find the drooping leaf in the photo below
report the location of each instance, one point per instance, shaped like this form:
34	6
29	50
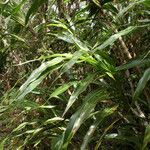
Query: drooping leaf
68	36
80	116
23	125
38	75
71	62
126	9
17	38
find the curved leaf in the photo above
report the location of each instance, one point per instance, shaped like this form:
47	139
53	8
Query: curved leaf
80	88
34	7
80	116
101	116
38	75
142	83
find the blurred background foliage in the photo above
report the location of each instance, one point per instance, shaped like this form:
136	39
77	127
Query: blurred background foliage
74	74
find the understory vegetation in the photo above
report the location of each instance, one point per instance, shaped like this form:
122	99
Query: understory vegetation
74	74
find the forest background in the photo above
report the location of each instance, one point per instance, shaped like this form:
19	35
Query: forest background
74	74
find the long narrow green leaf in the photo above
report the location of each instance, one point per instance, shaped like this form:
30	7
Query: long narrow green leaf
80	88
142	83
61	89
17	38
114	37
133	63
146	137
80	116
37	72
104	133
18	7
23	125
37	76
126	9
52	120
101	116
2	143
68	36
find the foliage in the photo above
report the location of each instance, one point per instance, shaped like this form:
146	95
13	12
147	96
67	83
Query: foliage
75	74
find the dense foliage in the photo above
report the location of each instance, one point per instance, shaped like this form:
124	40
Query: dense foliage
75	74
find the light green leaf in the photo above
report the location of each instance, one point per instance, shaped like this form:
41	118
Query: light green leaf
130	6
146	137
114	37
23	125
60	25
18	7
61	89
71	62
17	38
68	36
142	83
52	120
82	86
2	143
80	116
46	107
38	75
65	36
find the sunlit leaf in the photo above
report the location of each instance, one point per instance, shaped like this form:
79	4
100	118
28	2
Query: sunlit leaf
52	120
61	89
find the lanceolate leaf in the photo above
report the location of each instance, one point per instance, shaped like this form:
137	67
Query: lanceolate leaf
101	116
134	63
80	88
146	137
61	89
17	38
80	116
114	37
104	133
142	83
126	9
37	76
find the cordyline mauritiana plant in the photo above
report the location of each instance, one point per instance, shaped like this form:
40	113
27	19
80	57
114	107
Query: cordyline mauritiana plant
75	74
